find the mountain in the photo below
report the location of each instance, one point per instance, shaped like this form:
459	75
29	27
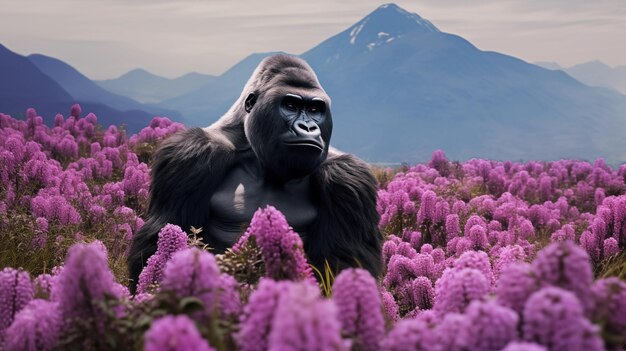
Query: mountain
205	105
82	88
146	87
548	65
24	85
401	88
596	73
26	81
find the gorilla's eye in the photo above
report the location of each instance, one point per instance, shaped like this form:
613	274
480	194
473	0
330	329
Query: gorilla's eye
316	107
292	103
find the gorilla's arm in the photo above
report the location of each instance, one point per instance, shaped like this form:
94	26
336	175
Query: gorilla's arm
346	233
185	171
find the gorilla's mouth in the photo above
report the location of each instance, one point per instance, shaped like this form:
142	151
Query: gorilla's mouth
305	143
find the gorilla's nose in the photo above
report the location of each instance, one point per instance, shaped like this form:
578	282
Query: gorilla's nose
308	128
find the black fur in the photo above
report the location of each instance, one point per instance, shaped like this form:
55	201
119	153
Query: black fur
189	166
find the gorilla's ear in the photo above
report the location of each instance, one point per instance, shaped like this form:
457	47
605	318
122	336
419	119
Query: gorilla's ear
250	101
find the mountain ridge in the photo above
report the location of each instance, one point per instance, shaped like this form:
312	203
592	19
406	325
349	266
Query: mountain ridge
147	87
30	87
427	90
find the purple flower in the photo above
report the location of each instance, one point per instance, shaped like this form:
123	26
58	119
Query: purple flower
462	245
84	282
43	283
438	255
490	326
170	240
282	248
54	208
141	298
389	249
415	239
611	247
477	260
524	346
75	111
554	317
457	288
450	334
409	334
422	293
517	282
305	321
136	178
426	211
390	307
258	314
472	221
426	249
506	256
193	272
401	269
358	301
36	328
16	291
175	333
565	233
453	228
478	237
591	243
424	265
566	265
526	229
609	297
439	162
405	249
229	298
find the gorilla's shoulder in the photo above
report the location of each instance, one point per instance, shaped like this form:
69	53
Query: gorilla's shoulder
192	143
349	173
190	156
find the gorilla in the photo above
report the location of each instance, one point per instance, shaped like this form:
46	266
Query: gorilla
271	147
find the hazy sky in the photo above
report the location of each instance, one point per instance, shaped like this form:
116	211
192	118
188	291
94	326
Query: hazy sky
106	38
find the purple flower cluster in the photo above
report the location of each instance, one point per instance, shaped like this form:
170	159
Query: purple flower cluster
285	315
358	301
554	317
193	272
36	328
259	313
84	282
282	248
305	321
16	291
171	239
479	255
159	128
175	333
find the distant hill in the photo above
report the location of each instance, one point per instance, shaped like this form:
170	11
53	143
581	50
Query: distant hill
24	85
205	105
594	73
146	87
82	88
401	88
548	65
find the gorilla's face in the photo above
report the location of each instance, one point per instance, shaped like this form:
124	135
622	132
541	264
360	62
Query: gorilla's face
289	130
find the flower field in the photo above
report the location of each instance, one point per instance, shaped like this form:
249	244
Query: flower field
480	255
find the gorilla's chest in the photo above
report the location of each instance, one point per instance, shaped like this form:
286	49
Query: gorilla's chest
240	194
